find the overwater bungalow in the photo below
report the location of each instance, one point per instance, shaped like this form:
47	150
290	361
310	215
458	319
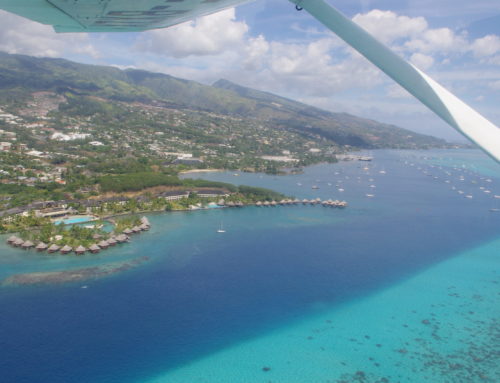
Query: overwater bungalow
96	236
273	203
53	248
112	241
258	203
136	229
305	201
12	239
94	248
80	250
103	244
18	242
230	204
122	238
239	204
266	203
27	245
144	227
66	249
127	231
282	202
41	246
145	221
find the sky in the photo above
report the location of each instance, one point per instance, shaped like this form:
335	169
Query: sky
268	45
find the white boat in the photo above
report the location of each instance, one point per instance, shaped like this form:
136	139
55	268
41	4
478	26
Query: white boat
221	229
370	195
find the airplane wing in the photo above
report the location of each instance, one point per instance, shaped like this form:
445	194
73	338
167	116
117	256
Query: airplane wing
140	15
113	15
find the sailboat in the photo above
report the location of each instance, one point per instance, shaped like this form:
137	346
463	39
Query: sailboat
221	229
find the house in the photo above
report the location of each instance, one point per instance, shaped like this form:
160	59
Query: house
5	146
175	195
211	193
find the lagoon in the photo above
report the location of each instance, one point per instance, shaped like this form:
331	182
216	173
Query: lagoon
402	286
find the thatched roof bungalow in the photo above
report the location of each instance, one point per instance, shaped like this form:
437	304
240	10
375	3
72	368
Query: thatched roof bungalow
12	239
80	250
136	229
27	245
127	231
103	244
94	248
41	246
66	249
53	248
121	238
18	242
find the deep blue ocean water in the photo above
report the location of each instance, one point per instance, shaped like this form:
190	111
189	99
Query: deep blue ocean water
203	293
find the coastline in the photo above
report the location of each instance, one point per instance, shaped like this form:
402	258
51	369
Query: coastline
202	171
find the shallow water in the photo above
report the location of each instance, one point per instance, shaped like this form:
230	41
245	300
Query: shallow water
308	292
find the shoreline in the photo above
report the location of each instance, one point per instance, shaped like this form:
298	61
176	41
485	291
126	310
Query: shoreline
202	171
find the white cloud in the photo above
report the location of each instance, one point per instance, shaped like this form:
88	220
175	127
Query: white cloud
22	36
255	51
208	35
421	61
387	26
487	49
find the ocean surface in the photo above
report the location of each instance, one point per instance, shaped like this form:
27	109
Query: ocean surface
401	286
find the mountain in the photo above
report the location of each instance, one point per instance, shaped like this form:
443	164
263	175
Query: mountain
20	76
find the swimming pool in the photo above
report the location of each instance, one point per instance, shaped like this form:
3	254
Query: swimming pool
79	219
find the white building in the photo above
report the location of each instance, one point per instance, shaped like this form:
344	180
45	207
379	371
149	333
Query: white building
5	146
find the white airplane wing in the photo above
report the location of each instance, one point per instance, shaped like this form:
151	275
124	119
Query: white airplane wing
140	15
113	15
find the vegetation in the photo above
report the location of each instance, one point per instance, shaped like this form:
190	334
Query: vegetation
76	134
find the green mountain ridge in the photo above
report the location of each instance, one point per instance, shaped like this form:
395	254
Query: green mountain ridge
20	76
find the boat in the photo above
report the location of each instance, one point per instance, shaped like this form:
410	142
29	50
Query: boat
221	229
315	187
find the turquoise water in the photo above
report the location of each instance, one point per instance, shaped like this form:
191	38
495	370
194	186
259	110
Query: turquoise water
445	329
69	221
399	287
